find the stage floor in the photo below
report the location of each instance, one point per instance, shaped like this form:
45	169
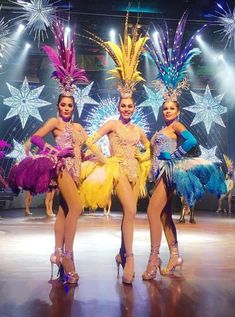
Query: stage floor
205	288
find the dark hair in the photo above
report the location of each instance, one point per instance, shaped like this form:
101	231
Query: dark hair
62	96
175	102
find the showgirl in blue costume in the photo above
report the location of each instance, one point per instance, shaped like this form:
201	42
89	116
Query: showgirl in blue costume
171	168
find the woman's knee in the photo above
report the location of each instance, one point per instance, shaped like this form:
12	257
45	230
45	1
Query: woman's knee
130	212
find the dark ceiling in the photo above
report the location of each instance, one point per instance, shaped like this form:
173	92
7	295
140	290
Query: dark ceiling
173	9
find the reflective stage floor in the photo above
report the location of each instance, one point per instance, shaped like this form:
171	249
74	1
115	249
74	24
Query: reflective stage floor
205	287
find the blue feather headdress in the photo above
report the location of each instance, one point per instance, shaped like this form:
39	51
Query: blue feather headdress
172	63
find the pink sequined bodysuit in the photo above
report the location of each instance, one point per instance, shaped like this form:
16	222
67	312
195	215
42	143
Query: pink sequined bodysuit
75	139
123	143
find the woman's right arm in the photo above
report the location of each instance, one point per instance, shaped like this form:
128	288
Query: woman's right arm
37	137
49	126
91	140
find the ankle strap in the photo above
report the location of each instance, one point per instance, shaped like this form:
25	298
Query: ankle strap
155	249
127	255
68	254
59	250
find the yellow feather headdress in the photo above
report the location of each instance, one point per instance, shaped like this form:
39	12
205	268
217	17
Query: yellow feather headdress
126	57
229	163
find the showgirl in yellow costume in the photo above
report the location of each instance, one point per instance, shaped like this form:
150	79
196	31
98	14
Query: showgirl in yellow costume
122	173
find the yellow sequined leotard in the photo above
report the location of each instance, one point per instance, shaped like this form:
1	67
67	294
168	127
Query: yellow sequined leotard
97	187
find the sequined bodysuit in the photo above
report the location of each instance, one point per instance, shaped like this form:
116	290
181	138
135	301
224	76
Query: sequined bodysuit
75	139
160	143
123	143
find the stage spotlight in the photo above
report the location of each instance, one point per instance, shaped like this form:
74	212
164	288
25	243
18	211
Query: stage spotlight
221	57
27	46
21	27
112	34
155	36
220	6
18	32
198	38
66	35
67	30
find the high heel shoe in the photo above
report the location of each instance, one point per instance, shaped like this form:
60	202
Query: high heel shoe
174	261
55	258
70	276
27	213
128	273
50	214
154	264
118	260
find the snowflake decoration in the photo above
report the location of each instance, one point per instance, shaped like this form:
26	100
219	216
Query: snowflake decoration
18	152
6	43
155	100
226	19
209	154
108	110
24	102
81	97
39	15
207	109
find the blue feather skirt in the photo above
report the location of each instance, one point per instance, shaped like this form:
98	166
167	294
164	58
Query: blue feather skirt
191	178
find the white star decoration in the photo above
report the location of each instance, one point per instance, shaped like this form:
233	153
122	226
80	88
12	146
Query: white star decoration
82	97
209	154
6	43
207	109
24	102
155	100
39	15
19	151
226	19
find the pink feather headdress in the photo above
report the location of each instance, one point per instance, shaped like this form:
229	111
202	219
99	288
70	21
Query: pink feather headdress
66	73
3	145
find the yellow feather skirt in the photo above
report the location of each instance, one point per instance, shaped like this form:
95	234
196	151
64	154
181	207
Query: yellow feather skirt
98	182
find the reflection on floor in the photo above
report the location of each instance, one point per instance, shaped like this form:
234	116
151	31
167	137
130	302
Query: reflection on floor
205	288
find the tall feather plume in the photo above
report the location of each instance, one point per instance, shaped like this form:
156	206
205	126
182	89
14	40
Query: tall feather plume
172	62
63	60
125	56
229	164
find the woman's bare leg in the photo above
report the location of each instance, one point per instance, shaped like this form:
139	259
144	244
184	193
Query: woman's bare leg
222	197
126	196
59	229
28	200
168	225
171	237
49	201
157	203
122	252
230	202
70	194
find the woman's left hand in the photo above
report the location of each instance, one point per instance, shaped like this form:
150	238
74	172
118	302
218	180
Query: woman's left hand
66	152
